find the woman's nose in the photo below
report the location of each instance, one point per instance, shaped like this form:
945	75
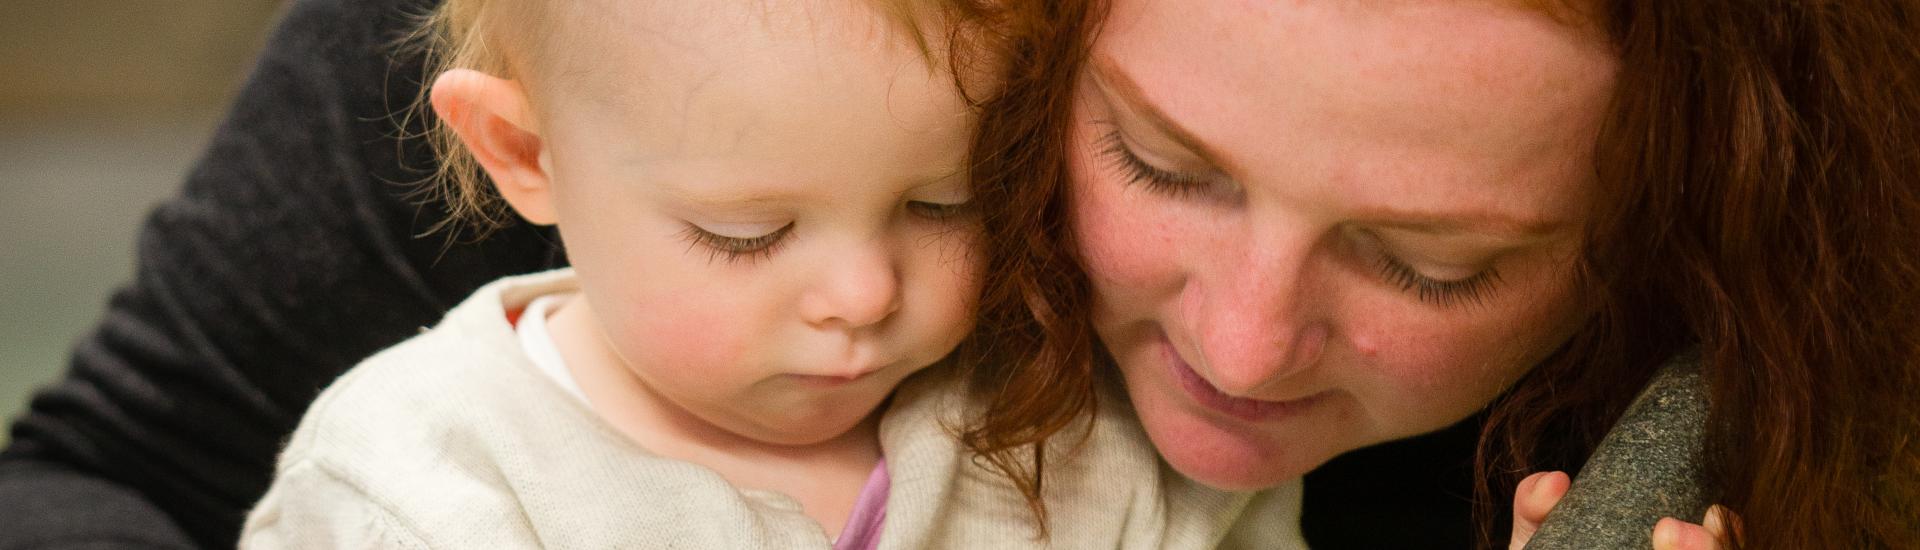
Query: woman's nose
857	290
1258	323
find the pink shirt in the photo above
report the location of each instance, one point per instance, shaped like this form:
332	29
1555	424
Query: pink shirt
862	531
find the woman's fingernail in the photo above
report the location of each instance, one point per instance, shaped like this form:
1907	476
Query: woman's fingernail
1560	479
1716	522
1666	534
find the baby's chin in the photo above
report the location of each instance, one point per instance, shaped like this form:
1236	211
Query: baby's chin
800	430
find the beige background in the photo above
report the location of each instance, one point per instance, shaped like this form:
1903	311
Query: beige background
103	105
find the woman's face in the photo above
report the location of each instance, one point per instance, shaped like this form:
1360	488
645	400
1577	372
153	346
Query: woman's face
1314	226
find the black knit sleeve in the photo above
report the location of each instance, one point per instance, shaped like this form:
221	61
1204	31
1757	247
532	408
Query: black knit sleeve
1414	493
291	253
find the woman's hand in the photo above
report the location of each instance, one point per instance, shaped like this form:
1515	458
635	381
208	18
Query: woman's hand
1535	496
1538	493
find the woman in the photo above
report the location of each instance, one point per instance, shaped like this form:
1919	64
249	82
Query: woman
1314	227
1281	271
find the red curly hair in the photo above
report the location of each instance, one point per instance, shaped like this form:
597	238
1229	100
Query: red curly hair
1031	354
1759	203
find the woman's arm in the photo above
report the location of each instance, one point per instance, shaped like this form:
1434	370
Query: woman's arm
289	255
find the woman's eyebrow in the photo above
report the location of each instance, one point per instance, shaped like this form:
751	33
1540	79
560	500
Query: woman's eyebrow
1120	86
1486	222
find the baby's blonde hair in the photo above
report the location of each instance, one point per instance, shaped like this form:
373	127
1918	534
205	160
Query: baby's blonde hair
497	37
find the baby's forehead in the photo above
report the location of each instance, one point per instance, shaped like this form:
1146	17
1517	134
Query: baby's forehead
716	31
820	90
620	51
737	75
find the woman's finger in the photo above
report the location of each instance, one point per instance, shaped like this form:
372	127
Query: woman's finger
1536	495
1673	534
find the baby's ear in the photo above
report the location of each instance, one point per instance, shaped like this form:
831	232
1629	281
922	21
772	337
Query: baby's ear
493	118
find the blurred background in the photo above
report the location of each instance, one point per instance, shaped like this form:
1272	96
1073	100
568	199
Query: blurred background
103	105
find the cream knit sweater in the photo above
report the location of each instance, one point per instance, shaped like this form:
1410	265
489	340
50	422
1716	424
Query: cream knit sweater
453	440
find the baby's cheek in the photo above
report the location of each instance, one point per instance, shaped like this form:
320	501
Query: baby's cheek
699	343
693	336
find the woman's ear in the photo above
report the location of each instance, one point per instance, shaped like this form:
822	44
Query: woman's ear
493	118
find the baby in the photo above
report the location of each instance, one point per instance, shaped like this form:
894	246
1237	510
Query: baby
767	210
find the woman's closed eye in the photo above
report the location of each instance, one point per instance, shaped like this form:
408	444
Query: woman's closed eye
1138	171
1445	292
1464	278
1473	289
732	249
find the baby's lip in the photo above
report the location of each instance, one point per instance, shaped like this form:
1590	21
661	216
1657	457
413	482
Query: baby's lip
825	380
837	377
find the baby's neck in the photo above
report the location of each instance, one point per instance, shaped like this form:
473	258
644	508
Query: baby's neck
825	477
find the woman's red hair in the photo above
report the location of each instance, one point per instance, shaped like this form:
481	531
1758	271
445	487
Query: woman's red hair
1759	203
1032	353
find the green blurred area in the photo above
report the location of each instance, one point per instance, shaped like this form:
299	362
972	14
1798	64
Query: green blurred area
104	105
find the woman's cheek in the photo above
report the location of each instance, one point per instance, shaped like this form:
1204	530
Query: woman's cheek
1429	371
1120	247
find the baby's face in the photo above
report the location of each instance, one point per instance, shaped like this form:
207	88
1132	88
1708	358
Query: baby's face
766	205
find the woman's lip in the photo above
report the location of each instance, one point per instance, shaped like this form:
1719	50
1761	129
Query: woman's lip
1245	409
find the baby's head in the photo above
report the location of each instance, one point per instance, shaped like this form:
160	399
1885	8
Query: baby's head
766	201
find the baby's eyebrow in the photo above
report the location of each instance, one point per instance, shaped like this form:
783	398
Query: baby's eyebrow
731	195
764	194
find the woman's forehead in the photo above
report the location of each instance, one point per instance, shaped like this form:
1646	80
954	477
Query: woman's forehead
1405	99
1433	46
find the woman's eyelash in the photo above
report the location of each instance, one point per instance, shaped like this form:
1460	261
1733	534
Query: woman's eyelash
1138	171
1471	290
733	249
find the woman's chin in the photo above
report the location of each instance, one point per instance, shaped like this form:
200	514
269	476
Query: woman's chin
1222	459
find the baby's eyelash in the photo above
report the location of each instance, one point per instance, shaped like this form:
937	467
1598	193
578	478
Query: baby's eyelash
1137	171
943	212
1474	290
733	249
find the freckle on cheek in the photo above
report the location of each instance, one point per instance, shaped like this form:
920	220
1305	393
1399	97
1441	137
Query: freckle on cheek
1133	251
